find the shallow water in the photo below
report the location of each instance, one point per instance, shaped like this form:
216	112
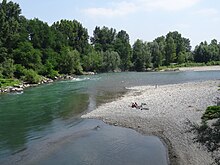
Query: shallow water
52	111
97	143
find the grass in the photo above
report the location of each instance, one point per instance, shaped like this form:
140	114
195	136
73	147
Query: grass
8	82
188	64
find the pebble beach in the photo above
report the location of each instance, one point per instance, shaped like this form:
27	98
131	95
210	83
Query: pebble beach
166	112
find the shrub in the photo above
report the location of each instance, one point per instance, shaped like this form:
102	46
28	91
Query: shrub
48	71
7	68
8	82
211	113
30	76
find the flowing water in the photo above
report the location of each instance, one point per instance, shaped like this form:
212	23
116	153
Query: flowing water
43	125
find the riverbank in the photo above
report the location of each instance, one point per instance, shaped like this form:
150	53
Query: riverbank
18	88
170	109
200	68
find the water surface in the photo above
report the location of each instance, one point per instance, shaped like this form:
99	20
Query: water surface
53	110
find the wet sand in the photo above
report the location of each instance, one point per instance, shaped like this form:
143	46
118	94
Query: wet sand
167	111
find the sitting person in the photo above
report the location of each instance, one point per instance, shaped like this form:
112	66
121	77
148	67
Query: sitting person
134	105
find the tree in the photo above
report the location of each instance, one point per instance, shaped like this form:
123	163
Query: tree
141	55
93	61
40	34
24	35
9	24
103	38
156	54
180	46
72	34
7	68
111	61
205	53
123	48
27	56
214	50
170	51
3	53
69	62
201	53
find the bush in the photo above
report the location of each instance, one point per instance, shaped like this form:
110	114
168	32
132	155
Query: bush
19	71
213	63
8	82
30	76
211	112
48	71
7	68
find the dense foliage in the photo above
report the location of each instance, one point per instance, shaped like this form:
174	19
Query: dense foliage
29	48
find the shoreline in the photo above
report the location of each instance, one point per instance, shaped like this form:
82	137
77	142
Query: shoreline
19	88
171	107
200	68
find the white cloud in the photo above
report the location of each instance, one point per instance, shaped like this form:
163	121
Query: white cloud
123	8
116	9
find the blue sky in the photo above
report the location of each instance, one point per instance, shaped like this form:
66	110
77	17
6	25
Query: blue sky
198	20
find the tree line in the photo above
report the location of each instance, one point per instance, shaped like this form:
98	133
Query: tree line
30	48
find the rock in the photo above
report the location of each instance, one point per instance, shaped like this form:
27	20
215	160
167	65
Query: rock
50	81
89	73
13	89
26	85
19	89
115	124
19	86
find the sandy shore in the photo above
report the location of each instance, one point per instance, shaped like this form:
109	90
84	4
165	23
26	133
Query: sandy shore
170	108
200	68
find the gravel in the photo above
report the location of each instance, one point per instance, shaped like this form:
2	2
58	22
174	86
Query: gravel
166	111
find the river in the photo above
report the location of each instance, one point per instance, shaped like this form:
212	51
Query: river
42	125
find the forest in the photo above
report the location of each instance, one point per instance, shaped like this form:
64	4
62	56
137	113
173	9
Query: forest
30	49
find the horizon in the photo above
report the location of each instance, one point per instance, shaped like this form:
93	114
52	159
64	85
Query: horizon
197	20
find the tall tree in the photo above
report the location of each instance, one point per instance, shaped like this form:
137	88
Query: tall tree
40	34
93	61
27	56
123	47
201	53
103	38
9	24
141	55
69	62
73	34
214	50
205	52
111	61
170	51
182	47
156	54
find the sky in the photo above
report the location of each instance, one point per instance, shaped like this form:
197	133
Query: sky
198	20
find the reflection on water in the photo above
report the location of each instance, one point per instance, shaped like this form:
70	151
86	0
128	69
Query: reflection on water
30	117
